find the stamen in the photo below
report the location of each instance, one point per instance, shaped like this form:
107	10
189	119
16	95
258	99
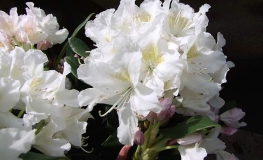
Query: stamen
86	150
118	102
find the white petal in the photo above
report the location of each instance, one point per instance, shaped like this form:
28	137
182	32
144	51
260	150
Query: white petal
68	97
58	37
14	142
127	125
143	100
50	145
9	93
192	152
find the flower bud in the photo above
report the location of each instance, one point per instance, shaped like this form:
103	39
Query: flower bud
167	111
44	45
171	142
231	118
138	137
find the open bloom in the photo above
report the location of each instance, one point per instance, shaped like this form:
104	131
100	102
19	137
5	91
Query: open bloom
117	83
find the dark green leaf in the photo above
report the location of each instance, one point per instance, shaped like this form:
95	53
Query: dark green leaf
112	140
61	54
112	121
189	126
73	62
69	52
37	156
78	46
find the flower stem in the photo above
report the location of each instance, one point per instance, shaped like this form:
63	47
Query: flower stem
40	125
21	112
167	147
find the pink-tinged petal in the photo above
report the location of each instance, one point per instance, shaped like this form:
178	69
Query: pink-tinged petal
167	111
228	130
44	45
138	137
231	118
190	139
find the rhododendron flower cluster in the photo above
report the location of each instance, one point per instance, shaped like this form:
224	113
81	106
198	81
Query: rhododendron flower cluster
151	63
27	30
149	52
50	119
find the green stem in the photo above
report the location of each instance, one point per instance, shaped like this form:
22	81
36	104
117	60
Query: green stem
147	136
40	125
61	54
63	51
21	112
166	148
137	153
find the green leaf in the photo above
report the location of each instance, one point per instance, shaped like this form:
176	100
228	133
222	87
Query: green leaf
112	140
37	156
78	46
73	62
61	54
188	127
69	52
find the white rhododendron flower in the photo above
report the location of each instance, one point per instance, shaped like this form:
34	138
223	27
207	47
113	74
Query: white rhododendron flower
149	62
172	56
122	89
27	30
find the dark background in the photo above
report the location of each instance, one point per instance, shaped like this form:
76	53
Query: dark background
240	21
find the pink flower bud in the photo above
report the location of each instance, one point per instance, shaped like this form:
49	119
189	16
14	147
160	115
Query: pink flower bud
44	45
151	116
76	55
190	139
167	111
216	118
227	130
171	142
138	137
231	118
